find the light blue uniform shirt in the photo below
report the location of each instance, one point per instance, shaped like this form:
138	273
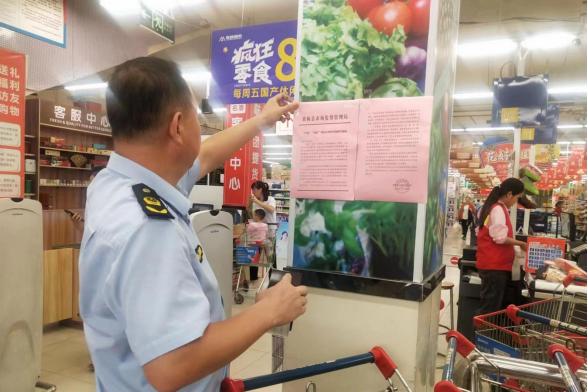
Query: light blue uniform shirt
143	289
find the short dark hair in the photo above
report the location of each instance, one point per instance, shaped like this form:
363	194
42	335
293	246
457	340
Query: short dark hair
141	95
259	213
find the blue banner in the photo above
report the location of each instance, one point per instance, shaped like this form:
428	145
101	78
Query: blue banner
253	63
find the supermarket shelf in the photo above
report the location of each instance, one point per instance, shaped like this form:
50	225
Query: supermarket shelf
30	136
76	130
63	186
282	198
28	154
63	167
74	151
279	190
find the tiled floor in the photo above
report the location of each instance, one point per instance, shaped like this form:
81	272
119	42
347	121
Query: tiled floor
65	356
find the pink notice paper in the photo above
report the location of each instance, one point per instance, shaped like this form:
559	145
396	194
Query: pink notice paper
324	150
393	149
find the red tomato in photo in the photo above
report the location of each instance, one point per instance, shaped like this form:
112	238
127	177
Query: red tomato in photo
364	7
388	16
420	17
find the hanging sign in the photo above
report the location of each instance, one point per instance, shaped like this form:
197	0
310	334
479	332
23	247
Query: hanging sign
158	23
78	118
253	63
12	123
245	165
40	19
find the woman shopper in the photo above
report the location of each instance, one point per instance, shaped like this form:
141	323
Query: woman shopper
495	254
261	199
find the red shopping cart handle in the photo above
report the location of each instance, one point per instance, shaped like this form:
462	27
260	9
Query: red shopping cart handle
446	386
574	361
464	346
581	280
512	313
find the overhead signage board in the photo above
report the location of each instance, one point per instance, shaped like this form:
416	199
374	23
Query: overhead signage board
158	23
253	63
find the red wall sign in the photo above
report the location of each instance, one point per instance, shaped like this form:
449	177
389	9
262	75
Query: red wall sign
12	123
245	166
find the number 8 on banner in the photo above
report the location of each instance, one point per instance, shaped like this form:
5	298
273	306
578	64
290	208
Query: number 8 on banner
286	58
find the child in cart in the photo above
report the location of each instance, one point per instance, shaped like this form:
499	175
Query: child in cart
256	228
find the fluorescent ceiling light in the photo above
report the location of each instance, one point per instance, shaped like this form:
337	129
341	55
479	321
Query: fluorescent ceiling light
196	76
270	162
579	142
567	90
552	40
579	89
271	135
563	143
486	48
277	153
122	8
571	126
482	129
277	146
281	158
87	86
473	95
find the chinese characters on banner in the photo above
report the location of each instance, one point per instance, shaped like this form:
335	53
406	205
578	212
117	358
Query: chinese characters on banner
78	118
254	63
501	157
12	123
245	166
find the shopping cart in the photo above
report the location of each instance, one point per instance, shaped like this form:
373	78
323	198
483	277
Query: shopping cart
250	254
377	356
497	333
507	373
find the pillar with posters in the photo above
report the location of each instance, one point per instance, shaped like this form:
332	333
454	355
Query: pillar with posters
383	259
12	123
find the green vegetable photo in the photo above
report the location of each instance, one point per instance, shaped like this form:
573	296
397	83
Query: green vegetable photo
355	49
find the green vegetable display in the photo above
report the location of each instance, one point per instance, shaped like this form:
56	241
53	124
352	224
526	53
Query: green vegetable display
344	56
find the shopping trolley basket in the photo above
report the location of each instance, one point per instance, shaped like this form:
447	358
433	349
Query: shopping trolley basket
507	373
497	333
377	355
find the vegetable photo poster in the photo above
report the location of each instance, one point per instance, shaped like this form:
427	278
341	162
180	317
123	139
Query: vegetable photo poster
355	49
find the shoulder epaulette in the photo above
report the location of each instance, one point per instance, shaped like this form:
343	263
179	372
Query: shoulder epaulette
151	203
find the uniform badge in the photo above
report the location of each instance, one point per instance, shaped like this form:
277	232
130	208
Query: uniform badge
151	203
200	253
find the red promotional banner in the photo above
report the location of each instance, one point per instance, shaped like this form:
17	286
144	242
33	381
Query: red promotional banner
245	166
12	123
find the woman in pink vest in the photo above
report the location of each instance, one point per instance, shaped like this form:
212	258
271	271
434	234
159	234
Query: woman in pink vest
496	242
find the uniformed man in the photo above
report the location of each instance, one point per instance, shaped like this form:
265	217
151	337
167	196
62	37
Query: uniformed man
150	303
